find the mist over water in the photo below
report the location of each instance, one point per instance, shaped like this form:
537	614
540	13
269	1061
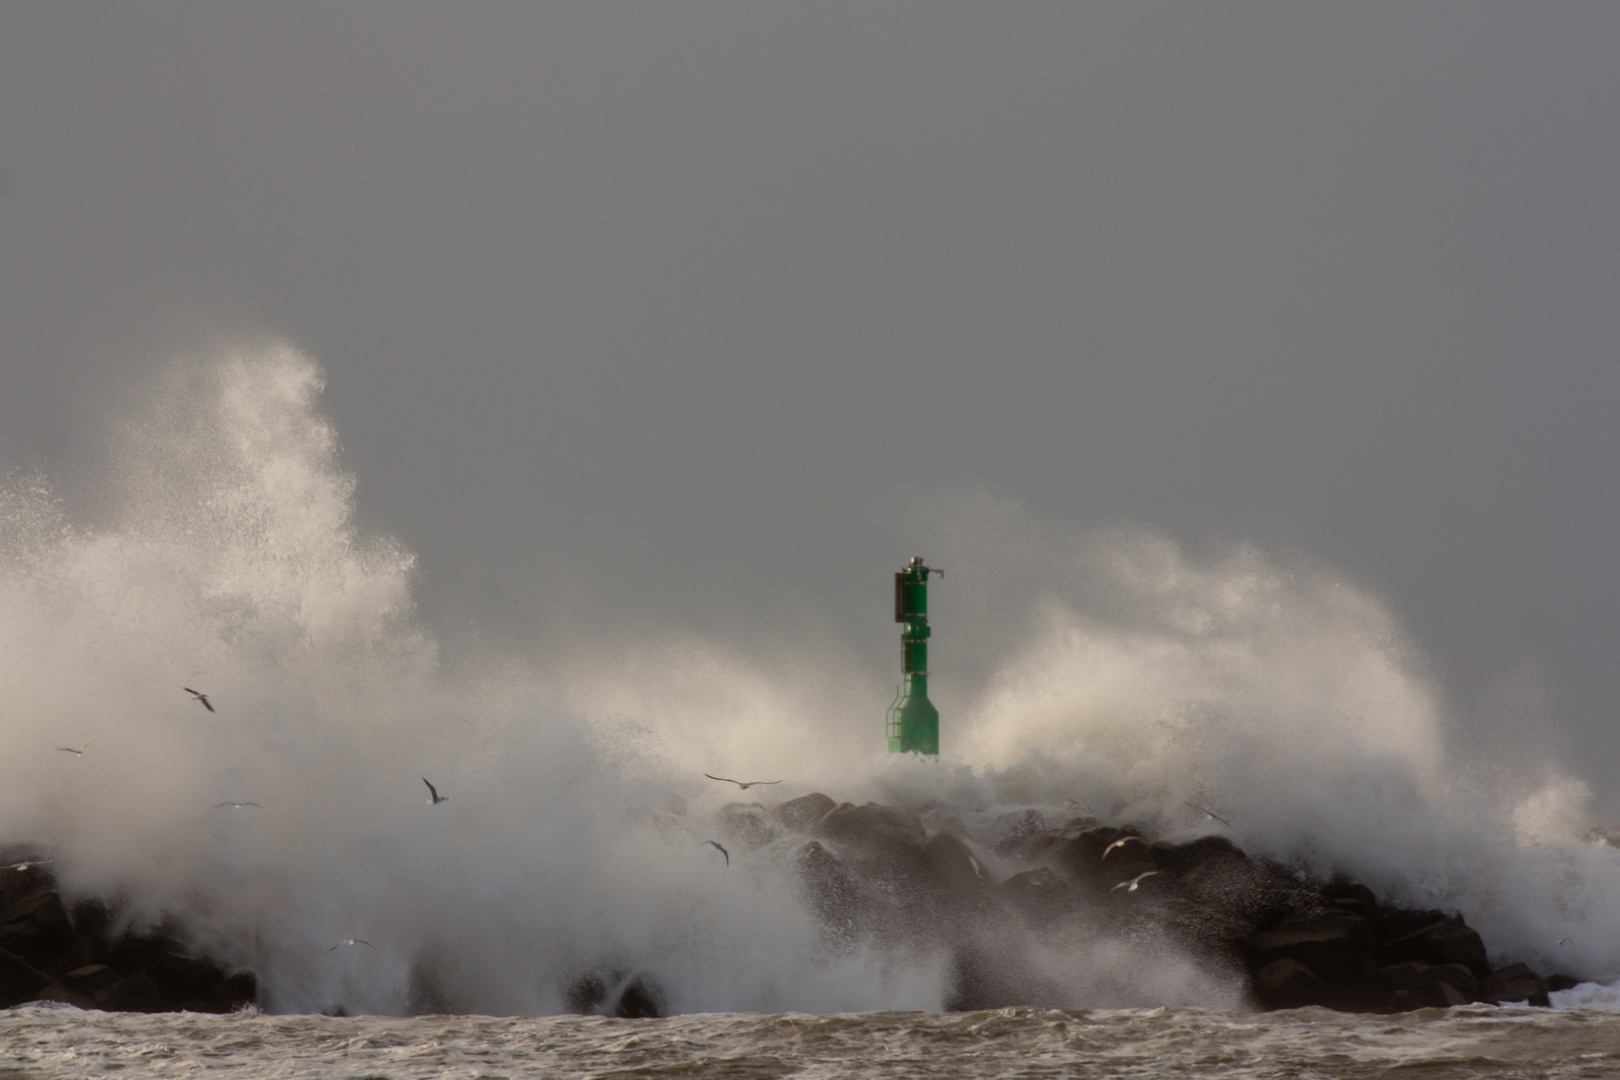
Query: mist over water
1137	680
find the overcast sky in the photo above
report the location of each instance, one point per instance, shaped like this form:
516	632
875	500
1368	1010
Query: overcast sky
706	315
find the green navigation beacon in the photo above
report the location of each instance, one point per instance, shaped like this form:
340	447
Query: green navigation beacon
913	722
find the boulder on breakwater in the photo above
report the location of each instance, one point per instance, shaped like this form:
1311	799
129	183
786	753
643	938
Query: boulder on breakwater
49	953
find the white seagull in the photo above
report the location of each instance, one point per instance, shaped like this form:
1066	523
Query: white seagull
1135	882
200	696
744	784
235	805
716	845
1121	842
76	753
352	941
434	798
28	864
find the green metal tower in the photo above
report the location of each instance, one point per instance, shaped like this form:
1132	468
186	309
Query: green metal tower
913	722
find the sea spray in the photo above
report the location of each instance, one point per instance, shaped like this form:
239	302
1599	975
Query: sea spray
1147	687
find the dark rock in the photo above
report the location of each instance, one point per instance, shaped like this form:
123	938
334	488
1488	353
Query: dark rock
1037	894
1330	942
1178	859
1459	978
137	993
1037	882
1351	896
801	813
994	974
237	990
1556	983
1356	906
1399	922
80	953
16	884
20	981
970	983
586	994
36	926
885	844
1212	932
1342	888
1288	984
1516	982
872	826
42	908
179	976
424	996
136	950
58	992
746	824
1429	985
91	979
1244	890
829	888
614	991
93	917
641	999
1365	991
1078	855
1010	830
1448	941
954	867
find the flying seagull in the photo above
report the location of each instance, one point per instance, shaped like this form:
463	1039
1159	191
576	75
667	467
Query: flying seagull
28	864
352	941
76	753
434	798
1561	940
200	696
1210	813
236	805
1121	842
1135	882
716	845
744	784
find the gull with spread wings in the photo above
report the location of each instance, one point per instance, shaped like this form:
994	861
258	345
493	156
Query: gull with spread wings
744	784
1135	882
1121	842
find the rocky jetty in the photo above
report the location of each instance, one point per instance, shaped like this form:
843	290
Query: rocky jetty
80	956
998	901
877	872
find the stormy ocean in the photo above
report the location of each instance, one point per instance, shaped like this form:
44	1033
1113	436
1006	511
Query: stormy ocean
284	828
1016	1042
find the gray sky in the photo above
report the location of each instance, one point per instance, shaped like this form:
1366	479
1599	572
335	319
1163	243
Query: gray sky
706	315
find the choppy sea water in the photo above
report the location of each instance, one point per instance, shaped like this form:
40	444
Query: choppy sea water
1473	1041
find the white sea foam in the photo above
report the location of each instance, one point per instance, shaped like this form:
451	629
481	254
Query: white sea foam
1281	698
